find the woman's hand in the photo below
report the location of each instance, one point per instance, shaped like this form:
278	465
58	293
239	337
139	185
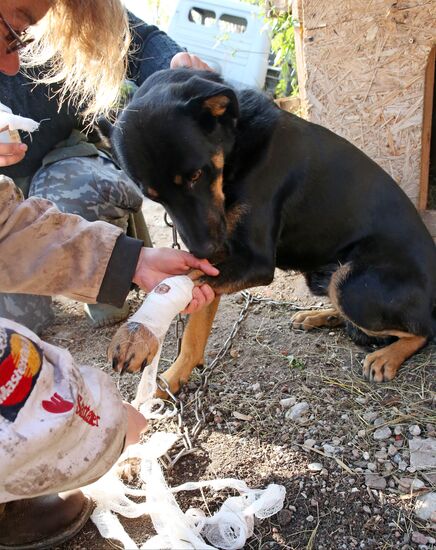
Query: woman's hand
11	153
136	425
156	264
188	61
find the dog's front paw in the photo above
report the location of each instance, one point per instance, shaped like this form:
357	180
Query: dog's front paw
381	365
132	348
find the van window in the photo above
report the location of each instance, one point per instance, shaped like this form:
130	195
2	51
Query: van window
232	23
201	16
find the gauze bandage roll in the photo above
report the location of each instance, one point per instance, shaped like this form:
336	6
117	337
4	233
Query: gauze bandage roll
10	123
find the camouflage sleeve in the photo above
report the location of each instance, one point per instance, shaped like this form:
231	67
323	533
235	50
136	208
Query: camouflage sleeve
43	251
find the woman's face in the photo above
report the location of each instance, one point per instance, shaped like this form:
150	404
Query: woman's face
19	14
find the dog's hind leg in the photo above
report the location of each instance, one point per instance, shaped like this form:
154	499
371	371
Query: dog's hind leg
307	320
318	283
382	365
192	351
383	302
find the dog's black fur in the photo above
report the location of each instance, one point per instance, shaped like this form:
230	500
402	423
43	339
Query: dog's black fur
294	195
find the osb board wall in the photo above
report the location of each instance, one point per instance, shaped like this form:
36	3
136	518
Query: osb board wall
362	66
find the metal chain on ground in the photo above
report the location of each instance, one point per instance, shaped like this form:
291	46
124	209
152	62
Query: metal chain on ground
189	436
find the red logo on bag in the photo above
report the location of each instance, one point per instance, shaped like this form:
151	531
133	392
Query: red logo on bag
86	413
57	404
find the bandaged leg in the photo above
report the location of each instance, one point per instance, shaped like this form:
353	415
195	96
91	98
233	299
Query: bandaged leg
138	343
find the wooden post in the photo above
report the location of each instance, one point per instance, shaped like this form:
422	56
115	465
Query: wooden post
426	129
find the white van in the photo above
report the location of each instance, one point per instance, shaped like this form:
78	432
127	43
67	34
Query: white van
232	37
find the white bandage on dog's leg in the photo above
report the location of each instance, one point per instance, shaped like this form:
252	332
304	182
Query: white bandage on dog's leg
164	302
160	307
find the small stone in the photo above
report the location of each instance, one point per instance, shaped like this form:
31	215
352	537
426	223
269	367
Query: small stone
388	467
382	433
315	467
370	416
392	450
410	484
310	519
371	466
284	517
425	507
361	433
414	430
374	481
255	387
234	353
423	453
288	402
379	422
402	466
329	449
367	509
419	538
366	455
381	455
297	411
398	430
242	416
310	443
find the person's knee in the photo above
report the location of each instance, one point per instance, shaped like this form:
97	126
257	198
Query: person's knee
91	187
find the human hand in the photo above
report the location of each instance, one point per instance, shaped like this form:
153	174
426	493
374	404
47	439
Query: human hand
136	424
156	264
188	61
12	153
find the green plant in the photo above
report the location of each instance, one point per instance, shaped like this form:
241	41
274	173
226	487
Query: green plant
283	46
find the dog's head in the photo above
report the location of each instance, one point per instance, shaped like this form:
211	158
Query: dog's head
172	140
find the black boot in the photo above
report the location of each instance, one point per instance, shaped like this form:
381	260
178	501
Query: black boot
43	522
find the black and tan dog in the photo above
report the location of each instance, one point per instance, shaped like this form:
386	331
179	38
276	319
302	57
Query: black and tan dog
252	187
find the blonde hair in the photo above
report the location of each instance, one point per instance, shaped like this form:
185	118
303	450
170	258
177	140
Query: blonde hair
85	44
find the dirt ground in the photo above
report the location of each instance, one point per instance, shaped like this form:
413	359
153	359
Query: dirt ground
356	492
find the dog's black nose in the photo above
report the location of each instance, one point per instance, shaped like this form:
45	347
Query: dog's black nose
204	250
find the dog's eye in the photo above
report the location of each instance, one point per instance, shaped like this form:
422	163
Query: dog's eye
194	177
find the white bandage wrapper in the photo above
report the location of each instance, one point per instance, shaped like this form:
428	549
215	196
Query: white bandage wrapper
15	122
232	524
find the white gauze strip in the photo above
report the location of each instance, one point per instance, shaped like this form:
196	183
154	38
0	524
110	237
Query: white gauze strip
15	122
232	524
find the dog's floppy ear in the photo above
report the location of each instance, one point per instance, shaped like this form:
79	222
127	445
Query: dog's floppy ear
209	96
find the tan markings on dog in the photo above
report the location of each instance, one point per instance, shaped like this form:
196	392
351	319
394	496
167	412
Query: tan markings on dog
234	215
217	185
192	352
218	160
132	347
217	105
178	180
336	281
307	320
152	192
382	365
